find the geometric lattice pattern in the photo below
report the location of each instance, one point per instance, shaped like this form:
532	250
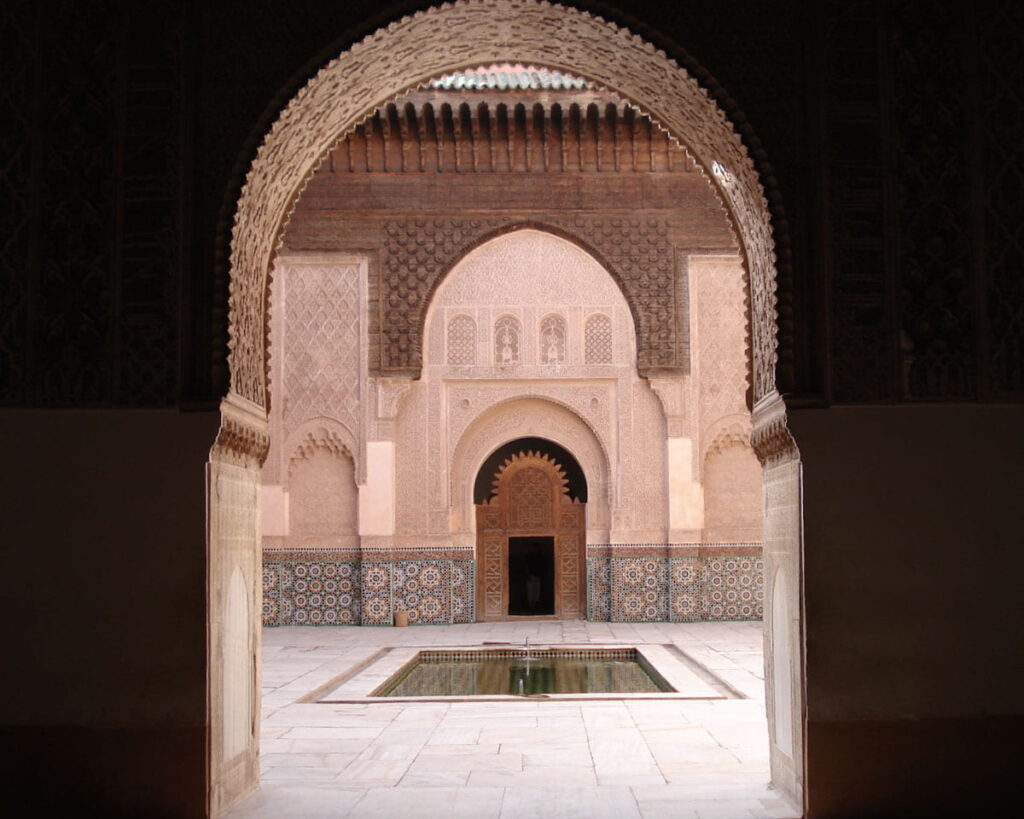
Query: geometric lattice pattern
326	591
311	593
463	594
422	589
598	341
322	344
462	341
301	591
530	500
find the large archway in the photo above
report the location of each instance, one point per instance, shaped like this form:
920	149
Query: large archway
409	51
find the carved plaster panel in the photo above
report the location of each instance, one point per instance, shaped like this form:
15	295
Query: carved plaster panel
598	334
322	352
720	336
674	394
592	402
461	341
644	490
390	392
413	461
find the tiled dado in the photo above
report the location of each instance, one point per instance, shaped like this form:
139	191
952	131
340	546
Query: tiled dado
330	587
654	582
625	583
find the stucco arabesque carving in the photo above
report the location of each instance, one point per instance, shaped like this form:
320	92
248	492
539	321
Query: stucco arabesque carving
390	392
244	435
636	251
590	402
672	393
524	417
474	32
731	431
319	438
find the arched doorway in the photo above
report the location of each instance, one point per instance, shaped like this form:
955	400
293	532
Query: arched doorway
531	533
407	52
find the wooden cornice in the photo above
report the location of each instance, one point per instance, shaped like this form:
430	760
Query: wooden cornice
497	137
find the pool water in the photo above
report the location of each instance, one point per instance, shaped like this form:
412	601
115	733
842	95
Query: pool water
521	673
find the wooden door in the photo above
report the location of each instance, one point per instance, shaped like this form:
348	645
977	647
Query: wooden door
570	564
492	563
530	500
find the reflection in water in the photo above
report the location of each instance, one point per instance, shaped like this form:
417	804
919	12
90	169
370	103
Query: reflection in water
545	675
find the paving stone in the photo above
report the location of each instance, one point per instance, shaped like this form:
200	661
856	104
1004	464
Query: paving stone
684	759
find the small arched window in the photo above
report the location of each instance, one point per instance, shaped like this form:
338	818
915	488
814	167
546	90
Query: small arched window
507	338
552	340
598	339
461	342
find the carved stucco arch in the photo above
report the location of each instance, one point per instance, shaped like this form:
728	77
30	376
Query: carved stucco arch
449	38
486	231
529	417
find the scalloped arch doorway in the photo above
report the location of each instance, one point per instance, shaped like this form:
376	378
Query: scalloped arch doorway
394	59
531	540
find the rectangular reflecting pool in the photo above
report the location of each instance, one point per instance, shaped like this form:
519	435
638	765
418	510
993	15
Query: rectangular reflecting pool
522	672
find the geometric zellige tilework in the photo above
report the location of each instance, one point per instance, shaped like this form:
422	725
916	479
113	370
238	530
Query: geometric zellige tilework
633	589
676	589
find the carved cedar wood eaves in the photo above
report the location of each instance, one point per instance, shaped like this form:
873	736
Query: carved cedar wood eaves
517	136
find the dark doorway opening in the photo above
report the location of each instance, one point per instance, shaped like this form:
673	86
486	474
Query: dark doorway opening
531	575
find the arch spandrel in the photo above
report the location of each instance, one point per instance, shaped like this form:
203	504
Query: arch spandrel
539	271
476	32
611	247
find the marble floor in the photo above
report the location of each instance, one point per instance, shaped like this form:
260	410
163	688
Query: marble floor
684	759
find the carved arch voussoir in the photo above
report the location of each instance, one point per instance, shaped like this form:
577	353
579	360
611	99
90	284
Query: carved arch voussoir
525	416
600	439
419	253
464	34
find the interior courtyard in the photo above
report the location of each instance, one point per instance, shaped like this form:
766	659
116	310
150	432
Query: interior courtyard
705	755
